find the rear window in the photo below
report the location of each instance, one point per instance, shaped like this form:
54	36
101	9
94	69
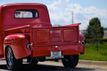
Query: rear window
26	14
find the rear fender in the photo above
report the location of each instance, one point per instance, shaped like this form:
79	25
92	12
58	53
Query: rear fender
18	43
82	42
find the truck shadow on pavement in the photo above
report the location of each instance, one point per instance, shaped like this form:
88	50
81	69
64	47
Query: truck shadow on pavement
39	67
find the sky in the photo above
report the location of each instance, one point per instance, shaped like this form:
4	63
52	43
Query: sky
62	12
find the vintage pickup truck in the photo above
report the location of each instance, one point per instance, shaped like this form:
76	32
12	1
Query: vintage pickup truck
26	33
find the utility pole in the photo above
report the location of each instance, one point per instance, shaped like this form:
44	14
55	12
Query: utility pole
72	12
72	17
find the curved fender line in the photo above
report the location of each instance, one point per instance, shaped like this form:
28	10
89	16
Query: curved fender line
18	43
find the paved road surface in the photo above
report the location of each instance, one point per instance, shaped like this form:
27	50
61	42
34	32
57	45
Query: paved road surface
57	66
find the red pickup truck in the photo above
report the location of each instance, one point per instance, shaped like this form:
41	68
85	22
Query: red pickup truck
26	33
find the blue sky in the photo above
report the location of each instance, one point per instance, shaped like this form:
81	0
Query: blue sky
61	10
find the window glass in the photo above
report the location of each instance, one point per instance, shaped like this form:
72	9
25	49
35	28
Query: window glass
26	14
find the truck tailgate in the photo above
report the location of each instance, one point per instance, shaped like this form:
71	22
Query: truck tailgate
55	36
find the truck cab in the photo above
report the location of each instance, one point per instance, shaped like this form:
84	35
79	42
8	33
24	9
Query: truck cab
27	33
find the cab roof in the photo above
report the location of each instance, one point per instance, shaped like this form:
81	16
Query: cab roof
23	4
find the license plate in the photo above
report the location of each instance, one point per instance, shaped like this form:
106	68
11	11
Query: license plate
56	54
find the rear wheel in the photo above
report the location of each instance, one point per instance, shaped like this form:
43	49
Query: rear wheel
70	61
12	63
32	61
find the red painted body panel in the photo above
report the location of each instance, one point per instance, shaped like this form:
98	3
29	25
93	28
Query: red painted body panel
55	35
65	38
1	34
18	33
18	43
42	51
12	22
10	25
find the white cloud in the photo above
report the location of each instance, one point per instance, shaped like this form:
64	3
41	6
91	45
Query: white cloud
61	13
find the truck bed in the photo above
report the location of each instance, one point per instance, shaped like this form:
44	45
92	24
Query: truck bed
55	35
58	39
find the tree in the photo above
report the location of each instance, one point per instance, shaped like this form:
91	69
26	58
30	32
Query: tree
94	32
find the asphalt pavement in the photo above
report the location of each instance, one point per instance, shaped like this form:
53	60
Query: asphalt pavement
83	65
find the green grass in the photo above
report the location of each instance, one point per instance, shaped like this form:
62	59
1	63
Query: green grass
91	52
